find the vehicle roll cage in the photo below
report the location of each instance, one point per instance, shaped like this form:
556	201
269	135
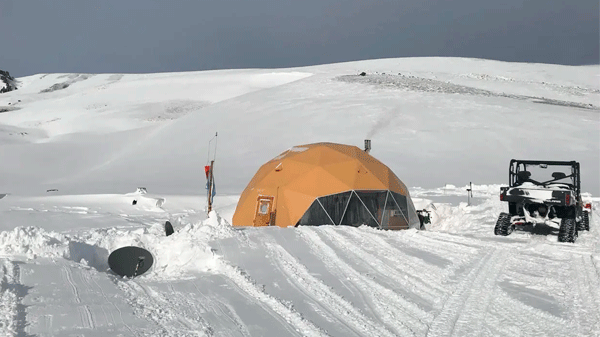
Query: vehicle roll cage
518	176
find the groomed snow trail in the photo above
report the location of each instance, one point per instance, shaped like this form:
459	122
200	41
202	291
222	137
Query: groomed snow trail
455	279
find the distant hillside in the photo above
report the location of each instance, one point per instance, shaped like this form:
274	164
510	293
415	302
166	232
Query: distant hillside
8	83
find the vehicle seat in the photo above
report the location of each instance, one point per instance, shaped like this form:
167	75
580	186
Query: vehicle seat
523	176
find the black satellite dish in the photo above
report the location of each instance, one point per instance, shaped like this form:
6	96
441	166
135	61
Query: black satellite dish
130	261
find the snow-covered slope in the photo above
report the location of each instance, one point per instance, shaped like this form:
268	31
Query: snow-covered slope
74	147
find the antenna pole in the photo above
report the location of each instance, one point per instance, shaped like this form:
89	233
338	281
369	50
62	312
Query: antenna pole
210	174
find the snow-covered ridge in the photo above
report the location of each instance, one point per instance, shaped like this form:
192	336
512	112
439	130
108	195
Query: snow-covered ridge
9	83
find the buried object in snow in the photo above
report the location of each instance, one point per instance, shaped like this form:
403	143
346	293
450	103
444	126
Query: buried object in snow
130	261
169	228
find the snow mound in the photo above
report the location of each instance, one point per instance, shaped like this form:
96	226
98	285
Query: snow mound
178	256
33	242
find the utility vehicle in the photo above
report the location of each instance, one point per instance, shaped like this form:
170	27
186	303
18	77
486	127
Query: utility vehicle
539	195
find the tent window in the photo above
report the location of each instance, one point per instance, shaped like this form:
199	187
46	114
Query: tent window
380	209
357	214
335	205
264	207
374	202
315	216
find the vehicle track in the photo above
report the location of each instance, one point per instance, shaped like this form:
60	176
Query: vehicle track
397	312
152	306
588	288
465	308
324	296
221	308
510	317
68	278
245	284
115	306
394	264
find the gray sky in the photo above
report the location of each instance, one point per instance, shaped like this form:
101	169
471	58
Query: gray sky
141	36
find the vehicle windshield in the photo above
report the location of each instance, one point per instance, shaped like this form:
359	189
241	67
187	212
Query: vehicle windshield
549	175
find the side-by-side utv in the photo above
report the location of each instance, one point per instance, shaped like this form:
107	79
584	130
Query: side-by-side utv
544	192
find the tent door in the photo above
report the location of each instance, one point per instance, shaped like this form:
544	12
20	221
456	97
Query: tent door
264	215
397	221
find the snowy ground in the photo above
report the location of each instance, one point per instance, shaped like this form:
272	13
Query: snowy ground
91	140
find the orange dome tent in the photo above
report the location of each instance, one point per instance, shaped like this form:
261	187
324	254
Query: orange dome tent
326	184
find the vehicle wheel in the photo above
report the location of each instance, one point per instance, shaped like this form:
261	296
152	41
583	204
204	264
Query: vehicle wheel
585	220
503	225
568	230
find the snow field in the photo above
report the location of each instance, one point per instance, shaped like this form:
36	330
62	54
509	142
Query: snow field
73	145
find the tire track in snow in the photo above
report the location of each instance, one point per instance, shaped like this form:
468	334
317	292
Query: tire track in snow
86	317
509	317
189	309
68	278
323	295
588	287
465	308
214	305
154	306
301	325
398	313
85	277
457	252
395	264
114	305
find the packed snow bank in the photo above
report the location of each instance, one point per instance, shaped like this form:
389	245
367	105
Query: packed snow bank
177	256
32	242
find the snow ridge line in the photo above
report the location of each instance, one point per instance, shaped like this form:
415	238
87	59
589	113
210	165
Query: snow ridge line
288	313
9	300
375	248
402	315
472	293
325	296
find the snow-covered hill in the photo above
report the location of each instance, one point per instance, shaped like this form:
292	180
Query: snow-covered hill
7	82
74	147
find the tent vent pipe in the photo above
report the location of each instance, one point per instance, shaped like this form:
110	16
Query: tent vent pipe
367	145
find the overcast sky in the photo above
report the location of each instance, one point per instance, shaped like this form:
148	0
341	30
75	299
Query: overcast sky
141	36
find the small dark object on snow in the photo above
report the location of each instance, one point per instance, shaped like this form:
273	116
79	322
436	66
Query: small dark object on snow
363	74
424	217
134	202
52	190
130	261
169	228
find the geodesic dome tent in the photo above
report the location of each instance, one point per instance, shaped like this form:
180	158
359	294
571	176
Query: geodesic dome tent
326	184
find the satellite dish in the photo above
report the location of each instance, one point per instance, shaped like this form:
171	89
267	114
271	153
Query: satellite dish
130	261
